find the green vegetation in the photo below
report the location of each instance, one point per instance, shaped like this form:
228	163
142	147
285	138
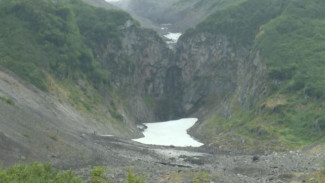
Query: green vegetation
7	100
188	176
54	137
292	47
44	173
36	172
213	4
131	178
201	178
240	23
97	175
41	37
290	37
55	45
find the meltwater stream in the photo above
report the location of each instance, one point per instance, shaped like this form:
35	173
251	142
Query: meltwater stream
170	133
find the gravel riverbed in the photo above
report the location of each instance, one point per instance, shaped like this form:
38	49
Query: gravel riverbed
184	164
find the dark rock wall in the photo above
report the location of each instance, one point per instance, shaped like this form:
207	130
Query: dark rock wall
217	73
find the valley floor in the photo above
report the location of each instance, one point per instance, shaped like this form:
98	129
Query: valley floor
35	126
175	164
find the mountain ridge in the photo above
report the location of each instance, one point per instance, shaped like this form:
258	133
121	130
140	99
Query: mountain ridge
244	71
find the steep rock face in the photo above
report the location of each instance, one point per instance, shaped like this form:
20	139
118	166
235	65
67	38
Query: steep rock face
138	70
218	75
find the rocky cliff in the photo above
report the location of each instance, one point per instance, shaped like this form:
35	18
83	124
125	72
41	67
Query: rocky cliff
138	71
217	73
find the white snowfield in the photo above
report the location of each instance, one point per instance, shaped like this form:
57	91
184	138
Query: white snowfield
112	1
170	133
173	37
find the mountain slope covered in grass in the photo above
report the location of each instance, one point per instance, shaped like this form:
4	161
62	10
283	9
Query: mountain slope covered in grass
68	69
77	49
287	39
52	37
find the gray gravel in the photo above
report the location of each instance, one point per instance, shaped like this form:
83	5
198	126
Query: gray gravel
163	163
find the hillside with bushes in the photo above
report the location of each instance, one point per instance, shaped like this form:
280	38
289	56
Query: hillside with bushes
68	69
285	40
77	80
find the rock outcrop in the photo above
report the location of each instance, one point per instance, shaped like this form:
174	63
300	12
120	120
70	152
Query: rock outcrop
138	71
218	73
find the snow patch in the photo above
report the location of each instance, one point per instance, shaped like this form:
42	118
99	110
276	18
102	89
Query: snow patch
106	135
170	133
172	37
110	1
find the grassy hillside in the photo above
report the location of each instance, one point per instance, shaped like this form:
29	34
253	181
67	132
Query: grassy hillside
293	47
51	44
290	37
46	37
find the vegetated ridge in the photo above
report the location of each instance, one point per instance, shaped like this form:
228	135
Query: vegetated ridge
252	73
261	63
70	69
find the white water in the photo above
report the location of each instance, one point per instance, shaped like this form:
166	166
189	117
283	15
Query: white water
172	37
170	133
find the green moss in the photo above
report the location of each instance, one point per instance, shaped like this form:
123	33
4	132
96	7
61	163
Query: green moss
54	137
7	100
150	101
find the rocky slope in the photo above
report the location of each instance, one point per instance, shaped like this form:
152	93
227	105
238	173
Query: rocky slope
37	126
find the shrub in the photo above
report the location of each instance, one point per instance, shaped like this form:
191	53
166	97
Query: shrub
37	172
131	178
97	175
